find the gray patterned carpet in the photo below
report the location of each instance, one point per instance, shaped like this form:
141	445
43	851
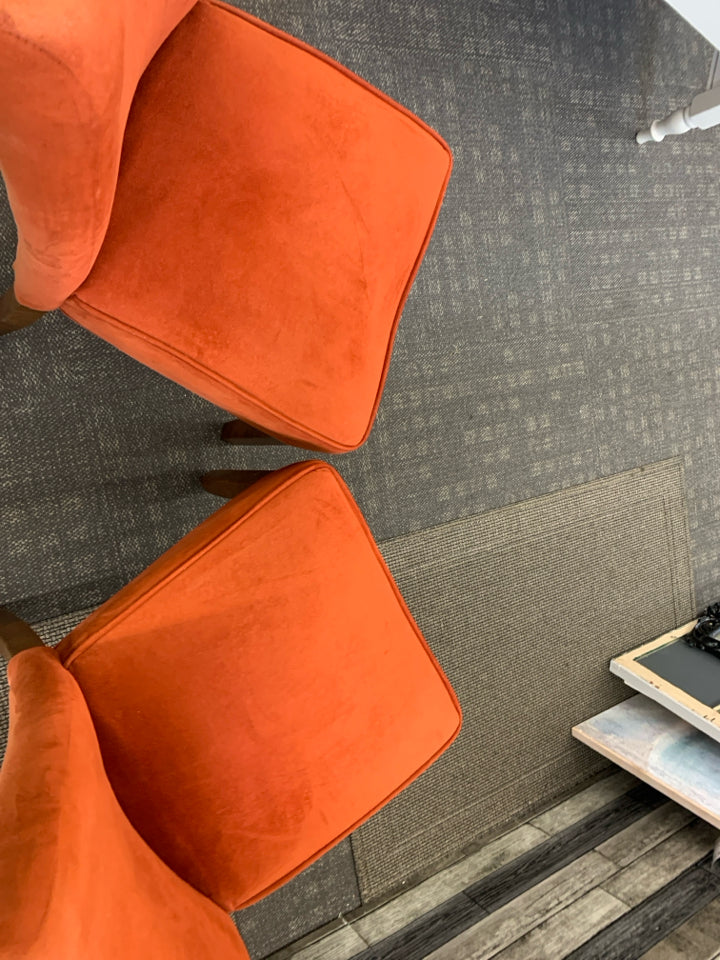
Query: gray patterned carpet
563	327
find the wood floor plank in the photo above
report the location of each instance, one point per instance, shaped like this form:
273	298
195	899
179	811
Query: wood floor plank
646	833
697	939
558	936
653	919
416	940
341	945
536	905
662	864
510	881
587	801
411	905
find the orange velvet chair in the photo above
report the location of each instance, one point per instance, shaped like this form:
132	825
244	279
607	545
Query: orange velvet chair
77	881
258	236
257	693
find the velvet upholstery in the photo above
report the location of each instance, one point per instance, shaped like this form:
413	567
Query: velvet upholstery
68	73
269	215
261	689
77	881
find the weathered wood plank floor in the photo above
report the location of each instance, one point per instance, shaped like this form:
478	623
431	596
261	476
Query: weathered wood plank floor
614	873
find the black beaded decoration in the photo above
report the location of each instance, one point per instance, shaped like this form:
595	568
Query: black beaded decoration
705	635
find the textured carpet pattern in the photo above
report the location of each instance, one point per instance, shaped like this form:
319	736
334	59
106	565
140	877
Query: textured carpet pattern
563	326
319	894
524	607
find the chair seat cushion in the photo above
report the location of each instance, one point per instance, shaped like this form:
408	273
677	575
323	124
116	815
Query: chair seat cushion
261	689
76	879
271	212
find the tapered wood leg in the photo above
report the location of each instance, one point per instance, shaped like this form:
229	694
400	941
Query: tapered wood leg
237	431
229	483
15	635
15	316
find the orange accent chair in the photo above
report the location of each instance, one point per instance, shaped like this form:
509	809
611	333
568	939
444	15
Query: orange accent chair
257	237
78	882
257	693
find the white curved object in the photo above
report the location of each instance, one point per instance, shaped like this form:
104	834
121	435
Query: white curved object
703	112
677	122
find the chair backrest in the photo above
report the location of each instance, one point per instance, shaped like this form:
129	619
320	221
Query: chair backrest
76	879
68	73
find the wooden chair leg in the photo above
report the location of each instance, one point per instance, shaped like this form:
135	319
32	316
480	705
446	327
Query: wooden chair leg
229	483
237	431
15	635
15	316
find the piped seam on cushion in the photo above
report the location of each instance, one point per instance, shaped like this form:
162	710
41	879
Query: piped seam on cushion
340	68
330	443
138	602
441	676
357	823
309	467
319	55
156	587
195	365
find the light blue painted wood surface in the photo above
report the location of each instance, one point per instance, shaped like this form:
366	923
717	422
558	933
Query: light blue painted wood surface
662	750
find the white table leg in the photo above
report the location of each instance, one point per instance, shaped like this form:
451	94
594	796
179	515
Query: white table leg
714	866
703	112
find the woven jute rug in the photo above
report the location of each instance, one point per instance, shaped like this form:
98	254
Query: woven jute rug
524	606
